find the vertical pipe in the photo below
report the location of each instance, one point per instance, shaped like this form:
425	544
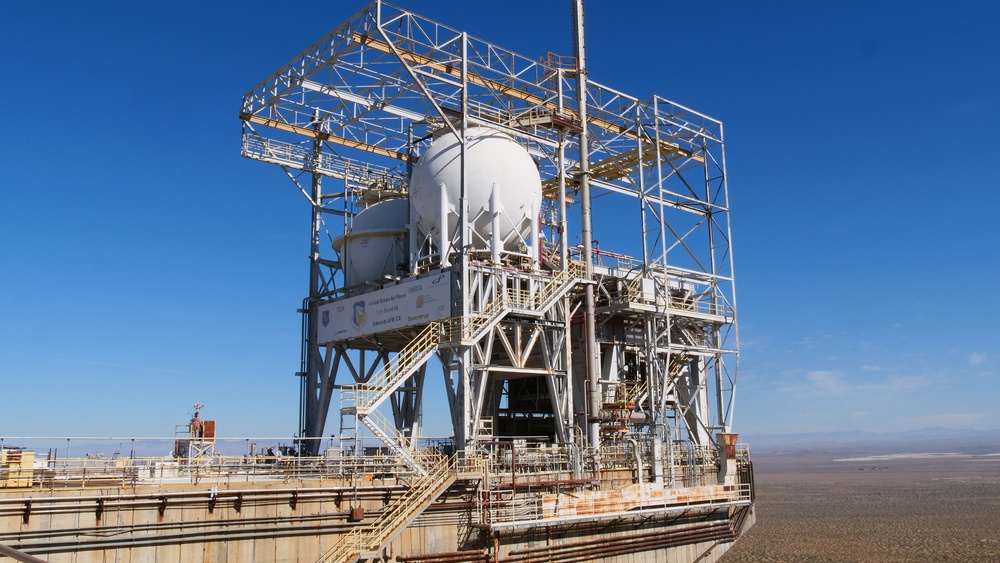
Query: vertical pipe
312	360
409	151
563	264
463	211
639	468
657	459
671	457
662	282
593	355
563	244
535	230
463	217
495	223
414	243
467	439
443	229
642	192
411	227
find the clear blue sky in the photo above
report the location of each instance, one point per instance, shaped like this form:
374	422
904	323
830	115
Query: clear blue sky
146	266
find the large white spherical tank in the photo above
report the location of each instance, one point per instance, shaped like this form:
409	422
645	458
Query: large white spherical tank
492	158
376	244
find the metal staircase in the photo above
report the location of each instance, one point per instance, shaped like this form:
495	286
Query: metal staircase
386	431
559	286
365	542
369	395
636	393
364	398
474	327
540	302
633	291
687	333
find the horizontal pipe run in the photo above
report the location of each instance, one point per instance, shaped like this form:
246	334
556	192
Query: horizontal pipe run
607	547
446	557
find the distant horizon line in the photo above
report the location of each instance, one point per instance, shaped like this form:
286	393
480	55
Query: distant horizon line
872	432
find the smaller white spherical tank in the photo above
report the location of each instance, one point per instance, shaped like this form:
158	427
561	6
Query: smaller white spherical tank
492	158
376	243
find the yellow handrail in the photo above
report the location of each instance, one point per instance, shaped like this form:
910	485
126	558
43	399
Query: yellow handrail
634	289
387	427
574	270
633	394
456	328
394	517
411	354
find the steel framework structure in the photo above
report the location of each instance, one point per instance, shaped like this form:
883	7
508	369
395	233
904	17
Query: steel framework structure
639	344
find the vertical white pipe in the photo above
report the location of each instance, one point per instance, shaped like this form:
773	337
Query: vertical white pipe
590	327
413	246
443	240
535	231
495	223
563	235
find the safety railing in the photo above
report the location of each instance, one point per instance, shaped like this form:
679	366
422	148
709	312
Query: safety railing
470	464
693	454
474	326
606	258
155	460
363	398
511	463
561	283
471	328
387	432
156	471
401	366
680	304
623	456
361	174
633	290
369	539
701	304
605	502
520	298
504	506
635	393
678	363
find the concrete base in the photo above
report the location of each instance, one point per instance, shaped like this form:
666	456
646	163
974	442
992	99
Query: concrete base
291	521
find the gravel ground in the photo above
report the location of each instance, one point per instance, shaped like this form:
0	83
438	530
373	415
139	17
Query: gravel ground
811	507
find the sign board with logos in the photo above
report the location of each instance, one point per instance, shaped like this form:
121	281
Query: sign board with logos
409	303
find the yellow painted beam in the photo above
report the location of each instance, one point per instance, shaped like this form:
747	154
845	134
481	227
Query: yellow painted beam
611	168
502	88
327	137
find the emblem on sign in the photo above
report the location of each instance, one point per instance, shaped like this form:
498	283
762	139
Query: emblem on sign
359	314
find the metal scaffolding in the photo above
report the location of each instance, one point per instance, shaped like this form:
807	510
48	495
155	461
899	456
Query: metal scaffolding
653	364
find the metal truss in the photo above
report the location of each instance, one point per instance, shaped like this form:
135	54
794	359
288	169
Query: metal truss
360	105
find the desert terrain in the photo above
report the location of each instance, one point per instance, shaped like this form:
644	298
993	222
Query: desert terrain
862	504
